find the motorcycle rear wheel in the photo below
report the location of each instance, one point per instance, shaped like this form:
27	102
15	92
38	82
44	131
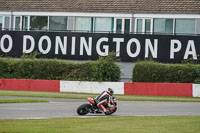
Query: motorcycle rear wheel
83	109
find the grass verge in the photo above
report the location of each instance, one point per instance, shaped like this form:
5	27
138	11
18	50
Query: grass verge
85	95
21	101
146	124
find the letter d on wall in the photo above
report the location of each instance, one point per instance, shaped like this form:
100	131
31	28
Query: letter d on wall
25	38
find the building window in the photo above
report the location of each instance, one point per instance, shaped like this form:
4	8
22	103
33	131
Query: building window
21	23
139	26
84	24
1	25
38	22
17	23
163	26
122	25
103	25
25	23
147	26
58	23
185	26
127	26
144	25
118	25
6	23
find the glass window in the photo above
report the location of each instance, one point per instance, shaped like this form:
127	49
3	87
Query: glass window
159	25
163	26
7	23
144	25
0	22
83	24
57	23
119	26
147	26
103	24
38	22
21	23
169	26
25	23
127	26
122	25
139	26
185	26
17	23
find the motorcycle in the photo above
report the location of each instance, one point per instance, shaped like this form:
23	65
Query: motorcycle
92	107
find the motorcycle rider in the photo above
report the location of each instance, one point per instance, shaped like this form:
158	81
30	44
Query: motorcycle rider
105	98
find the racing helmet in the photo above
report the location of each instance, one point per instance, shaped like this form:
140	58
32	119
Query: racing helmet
110	91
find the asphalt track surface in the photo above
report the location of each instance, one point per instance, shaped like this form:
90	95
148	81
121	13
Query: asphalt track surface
56	108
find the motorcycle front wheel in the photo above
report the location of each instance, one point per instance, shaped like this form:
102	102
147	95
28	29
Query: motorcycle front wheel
83	109
111	112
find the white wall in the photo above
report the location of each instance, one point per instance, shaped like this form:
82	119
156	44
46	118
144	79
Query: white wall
196	90
91	87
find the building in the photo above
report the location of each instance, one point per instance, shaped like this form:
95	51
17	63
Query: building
113	16
145	17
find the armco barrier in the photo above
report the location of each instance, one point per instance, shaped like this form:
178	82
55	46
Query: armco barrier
159	89
153	89
30	85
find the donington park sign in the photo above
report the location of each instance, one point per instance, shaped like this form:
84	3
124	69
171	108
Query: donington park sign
89	46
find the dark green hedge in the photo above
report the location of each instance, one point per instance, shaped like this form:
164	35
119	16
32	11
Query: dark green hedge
150	71
53	69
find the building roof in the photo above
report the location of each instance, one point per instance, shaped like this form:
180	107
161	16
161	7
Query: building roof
105	6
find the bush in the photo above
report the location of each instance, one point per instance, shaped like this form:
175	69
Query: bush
107	70
151	71
4	68
53	69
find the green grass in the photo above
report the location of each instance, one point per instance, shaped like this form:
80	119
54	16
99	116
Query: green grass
21	100
146	124
85	95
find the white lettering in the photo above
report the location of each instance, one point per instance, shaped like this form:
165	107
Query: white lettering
48	44
62	46
87	47
73	45
118	41
148	46
138	47
10	43
173	49
192	52
25	38
105	47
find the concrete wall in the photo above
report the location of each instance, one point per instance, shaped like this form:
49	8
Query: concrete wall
196	90
127	88
91	87
126	69
198	26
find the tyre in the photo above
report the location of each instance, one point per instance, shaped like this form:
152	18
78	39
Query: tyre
111	112
83	109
